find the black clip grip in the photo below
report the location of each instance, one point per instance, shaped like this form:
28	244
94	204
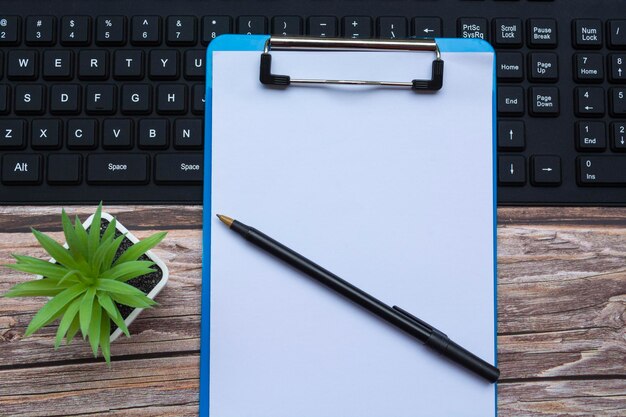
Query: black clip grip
266	76
436	81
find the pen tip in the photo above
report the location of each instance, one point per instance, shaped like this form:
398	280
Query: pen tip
225	219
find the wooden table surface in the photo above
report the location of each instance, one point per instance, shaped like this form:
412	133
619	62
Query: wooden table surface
561	320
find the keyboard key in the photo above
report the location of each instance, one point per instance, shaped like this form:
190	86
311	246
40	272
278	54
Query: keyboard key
171	99
601	170
146	30
82	134
22	65
118	168
544	101
588	33
194	64
93	65
287	26
117	134
617	63
128	64
252	25
12	133
618	136
508	32
5	95
511	101
64	168
392	28
617	34
76	30
546	170
510	66
181	30
427	27
322	27
542	33
618	102
180	168
153	133
197	100
511	135
65	99
590	101
22	168
188	134
473	28
544	67
357	27
46	134
57	65
9	30
164	65
214	26
40	30
590	136
136	98
589	67
101	99
511	170
29	99
111	30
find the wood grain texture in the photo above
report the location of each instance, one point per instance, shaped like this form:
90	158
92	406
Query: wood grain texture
561	320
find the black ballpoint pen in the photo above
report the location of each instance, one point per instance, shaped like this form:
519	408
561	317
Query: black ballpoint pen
396	316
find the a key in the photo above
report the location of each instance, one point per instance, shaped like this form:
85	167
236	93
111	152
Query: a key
128	64
601	170
511	135
590	101
508	32
427	27
252	25
65	99
12	133
180	168
544	101
544	67
64	168
194	64
136	98
9	30
153	133
511	170
93	65
100	99
618	102
117	168
29	99
111	30
617	34
181	30
546	170
21	168
164	65
618	136
542	33
57	65
22	64
511	101
76	30
617	63
82	134
5	95
322	27
171	99
287	26
357	27
117	134
146	30
588	33
46	134
188	134
589	67
591	136
214	26
510	66
40	30
390	27
473	28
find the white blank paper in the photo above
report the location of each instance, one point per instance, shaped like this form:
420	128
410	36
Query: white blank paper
389	189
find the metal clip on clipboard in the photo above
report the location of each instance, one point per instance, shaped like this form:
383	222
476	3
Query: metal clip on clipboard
320	44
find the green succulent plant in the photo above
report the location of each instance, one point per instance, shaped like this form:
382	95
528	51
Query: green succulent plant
85	282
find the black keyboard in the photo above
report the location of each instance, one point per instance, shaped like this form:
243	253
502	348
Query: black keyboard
103	100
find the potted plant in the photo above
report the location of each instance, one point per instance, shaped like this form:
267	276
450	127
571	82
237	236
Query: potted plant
99	281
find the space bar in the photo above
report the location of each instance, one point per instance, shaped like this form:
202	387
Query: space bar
117	168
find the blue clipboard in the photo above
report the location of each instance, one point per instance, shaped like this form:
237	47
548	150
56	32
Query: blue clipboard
258	43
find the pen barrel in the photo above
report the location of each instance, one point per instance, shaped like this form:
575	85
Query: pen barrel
442	344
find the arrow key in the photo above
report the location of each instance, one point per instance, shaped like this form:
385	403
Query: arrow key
590	101
427	27
511	170
511	135
618	134
546	170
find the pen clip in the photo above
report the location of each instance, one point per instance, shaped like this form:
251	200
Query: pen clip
418	321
